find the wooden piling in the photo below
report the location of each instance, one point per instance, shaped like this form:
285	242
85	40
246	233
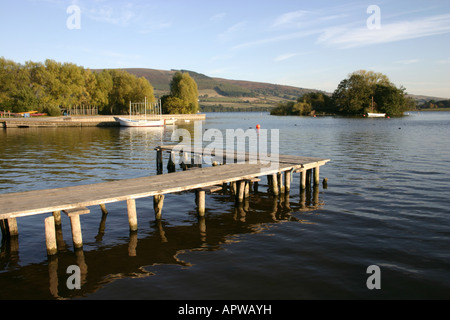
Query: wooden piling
241	191
303	180
280	182
287	181
12	226
9	228
103	208
316	176
76	231
50	236
308	178
132	215
159	161
171	164
57	217
325	183
158	202
74	215
201	199
247	189
275	189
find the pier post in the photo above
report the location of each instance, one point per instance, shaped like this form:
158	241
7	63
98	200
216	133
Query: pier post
158	202
201	199
241	191
308	178
9	228
280	182
233	187
325	183
76	231
171	164
58	230
132	216
302	180
316	176
50	236
159	161
12	225
275	184
57	218
247	189
103	208
287	181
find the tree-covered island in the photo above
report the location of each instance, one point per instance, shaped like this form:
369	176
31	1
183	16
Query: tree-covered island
361	92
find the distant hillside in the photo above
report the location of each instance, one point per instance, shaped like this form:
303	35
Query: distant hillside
218	94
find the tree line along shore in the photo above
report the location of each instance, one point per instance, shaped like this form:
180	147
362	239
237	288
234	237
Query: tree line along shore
361	92
52	87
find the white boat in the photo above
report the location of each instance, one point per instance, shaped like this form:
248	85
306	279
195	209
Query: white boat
129	122
375	115
124	122
171	121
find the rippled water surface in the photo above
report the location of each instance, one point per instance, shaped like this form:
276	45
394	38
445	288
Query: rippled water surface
386	204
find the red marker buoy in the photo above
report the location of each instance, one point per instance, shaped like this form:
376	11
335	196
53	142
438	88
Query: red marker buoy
258	126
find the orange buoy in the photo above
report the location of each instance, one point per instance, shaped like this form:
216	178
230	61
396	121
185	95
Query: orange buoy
258	126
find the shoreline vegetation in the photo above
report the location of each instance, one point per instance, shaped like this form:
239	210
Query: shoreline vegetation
56	89
360	93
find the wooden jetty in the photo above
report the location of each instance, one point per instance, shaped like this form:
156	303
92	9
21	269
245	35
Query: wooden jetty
74	201
85	121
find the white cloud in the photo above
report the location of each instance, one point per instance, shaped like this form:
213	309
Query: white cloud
282	37
345	37
285	56
106	13
409	61
444	61
228	34
218	17
290	19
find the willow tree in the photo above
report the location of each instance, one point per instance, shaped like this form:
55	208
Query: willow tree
125	88
184	87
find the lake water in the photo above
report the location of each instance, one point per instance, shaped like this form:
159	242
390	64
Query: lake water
386	204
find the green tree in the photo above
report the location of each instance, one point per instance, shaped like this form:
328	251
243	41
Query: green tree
318	102
185	88
100	93
353	95
47	86
390	99
174	105
125	88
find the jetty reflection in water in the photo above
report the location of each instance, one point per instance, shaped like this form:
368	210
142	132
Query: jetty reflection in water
160	245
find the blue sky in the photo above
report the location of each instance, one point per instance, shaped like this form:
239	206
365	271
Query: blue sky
310	44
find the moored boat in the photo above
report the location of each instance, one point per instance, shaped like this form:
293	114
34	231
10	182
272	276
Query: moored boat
129	122
124	122
376	115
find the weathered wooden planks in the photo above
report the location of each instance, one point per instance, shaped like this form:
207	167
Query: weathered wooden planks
247	156
74	200
42	201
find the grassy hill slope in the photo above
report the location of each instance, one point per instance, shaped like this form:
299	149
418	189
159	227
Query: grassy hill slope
218	94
